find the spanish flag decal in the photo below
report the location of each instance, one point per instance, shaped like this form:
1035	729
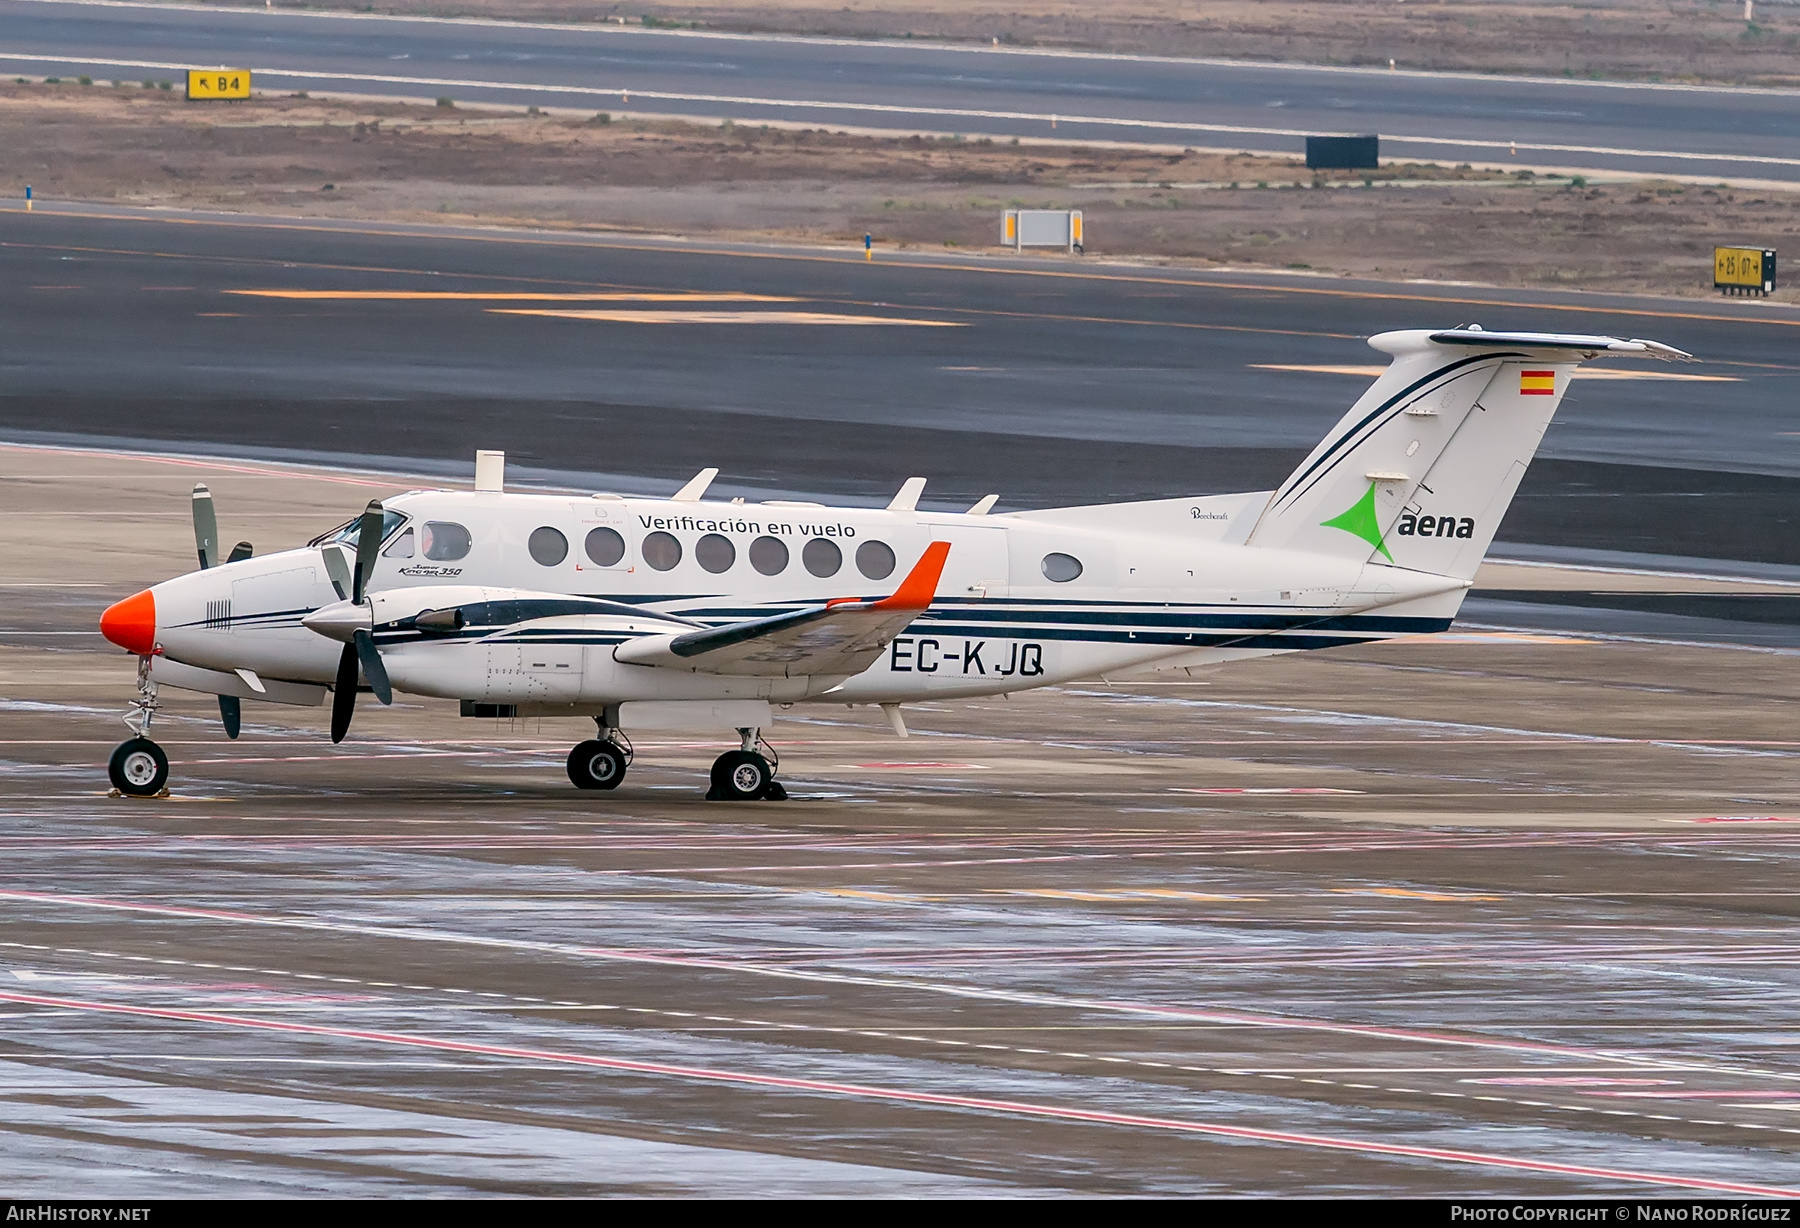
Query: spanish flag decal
1537	383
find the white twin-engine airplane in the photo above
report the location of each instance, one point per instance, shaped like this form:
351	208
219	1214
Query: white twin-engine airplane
680	613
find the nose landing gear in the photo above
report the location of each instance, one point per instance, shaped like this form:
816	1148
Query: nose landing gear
744	775
138	767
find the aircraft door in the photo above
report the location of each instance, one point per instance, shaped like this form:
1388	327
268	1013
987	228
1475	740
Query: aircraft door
978	562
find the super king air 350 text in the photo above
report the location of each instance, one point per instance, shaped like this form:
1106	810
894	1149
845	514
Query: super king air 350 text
685	614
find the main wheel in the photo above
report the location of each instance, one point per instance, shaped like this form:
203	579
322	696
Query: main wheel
596	765
740	776
138	767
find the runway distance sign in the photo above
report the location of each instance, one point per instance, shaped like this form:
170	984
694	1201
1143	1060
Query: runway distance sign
208	84
1744	270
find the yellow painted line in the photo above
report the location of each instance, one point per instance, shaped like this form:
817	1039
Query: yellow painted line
1169	893
527	238
501	296
1127	897
1442	897
1374	369
724	317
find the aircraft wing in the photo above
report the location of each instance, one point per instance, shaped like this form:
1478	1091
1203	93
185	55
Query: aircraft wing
837	639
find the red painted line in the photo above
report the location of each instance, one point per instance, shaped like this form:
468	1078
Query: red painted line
863	1091
194	462
740	966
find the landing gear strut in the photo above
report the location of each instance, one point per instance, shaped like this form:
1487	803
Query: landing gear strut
600	763
744	775
138	767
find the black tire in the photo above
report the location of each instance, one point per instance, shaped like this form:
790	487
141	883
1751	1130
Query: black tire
740	776
595	764
138	768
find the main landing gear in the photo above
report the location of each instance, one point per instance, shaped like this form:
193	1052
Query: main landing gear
744	775
600	763
138	767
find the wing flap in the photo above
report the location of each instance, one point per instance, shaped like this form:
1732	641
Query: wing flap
837	639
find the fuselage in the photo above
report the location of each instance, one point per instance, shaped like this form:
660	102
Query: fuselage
1025	600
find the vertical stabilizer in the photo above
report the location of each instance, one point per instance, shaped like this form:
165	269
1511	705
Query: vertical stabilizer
1421	470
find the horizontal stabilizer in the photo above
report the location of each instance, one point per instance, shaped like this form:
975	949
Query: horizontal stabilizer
1582	343
837	639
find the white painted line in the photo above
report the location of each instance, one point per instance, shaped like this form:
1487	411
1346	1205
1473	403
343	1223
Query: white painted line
972	49
882	108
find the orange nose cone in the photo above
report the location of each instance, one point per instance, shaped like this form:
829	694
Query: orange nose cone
131	623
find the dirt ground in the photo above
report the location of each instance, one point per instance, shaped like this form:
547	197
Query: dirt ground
1694	40
316	157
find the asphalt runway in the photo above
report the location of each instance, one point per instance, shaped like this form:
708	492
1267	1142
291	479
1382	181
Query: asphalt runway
1662	129
1502	913
632	363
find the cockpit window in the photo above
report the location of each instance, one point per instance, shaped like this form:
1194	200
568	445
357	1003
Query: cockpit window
400	548
445	541
348	532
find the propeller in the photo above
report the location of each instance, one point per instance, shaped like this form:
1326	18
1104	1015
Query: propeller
206	527
360	654
206	546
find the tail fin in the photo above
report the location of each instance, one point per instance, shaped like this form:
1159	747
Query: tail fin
1420	471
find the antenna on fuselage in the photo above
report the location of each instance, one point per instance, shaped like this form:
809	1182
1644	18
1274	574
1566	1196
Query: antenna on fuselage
695	489
490	472
984	505
907	500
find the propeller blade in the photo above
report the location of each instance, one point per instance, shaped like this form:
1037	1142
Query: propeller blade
231	711
343	698
338	570
372	668
368	542
240	552
206	527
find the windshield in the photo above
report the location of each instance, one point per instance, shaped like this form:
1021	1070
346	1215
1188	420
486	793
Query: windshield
346	533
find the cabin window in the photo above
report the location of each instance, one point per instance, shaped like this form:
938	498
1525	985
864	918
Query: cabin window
769	555
1060	568
715	553
605	547
822	557
661	551
400	548
445	541
875	560
548	546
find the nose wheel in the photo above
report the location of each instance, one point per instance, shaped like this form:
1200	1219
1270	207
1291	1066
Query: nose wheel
138	768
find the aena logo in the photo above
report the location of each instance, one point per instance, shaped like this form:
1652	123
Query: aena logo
1414	525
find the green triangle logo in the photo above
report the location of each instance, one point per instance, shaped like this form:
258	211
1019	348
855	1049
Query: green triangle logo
1359	520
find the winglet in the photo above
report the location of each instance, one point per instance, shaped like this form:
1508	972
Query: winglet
920	586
